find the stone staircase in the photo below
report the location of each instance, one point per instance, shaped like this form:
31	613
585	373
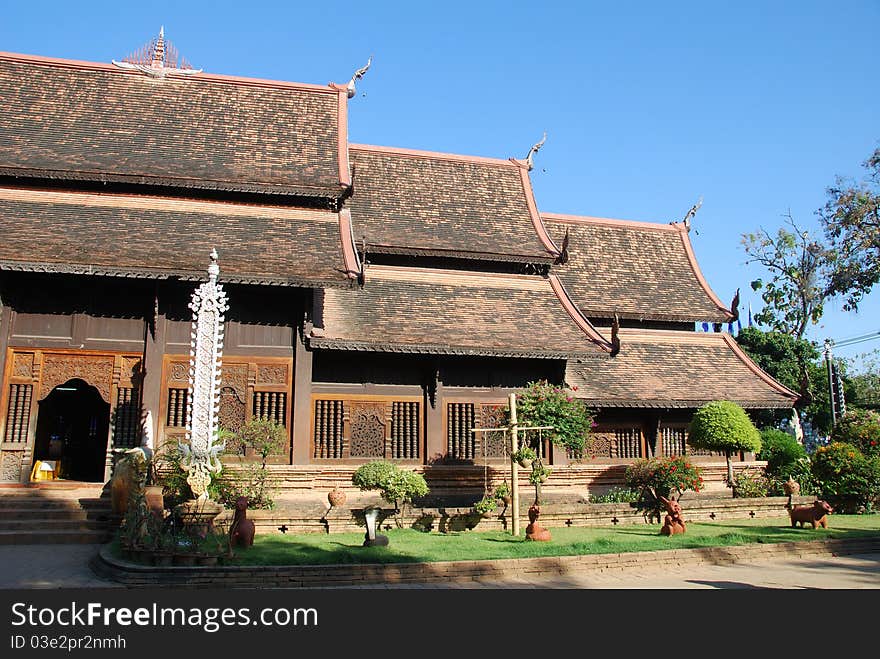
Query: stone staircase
55	513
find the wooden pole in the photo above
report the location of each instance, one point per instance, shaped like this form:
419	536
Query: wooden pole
514	468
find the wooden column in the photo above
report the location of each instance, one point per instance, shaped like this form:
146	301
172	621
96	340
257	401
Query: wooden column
154	349
435	438
302	405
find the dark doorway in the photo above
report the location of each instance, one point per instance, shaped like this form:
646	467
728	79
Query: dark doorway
72	426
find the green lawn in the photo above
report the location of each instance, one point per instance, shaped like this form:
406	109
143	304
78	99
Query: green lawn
411	546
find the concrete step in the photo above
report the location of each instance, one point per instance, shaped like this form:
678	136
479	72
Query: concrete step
83	536
41	502
41	524
10	514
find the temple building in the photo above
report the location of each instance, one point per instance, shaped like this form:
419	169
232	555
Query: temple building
382	301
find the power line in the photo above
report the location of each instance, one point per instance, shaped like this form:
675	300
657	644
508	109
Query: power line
856	339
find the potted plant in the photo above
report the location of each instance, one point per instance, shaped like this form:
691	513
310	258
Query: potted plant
524	456
502	493
486	506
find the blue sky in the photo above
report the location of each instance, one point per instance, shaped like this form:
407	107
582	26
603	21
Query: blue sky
755	106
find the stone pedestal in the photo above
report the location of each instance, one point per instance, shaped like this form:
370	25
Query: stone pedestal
197	515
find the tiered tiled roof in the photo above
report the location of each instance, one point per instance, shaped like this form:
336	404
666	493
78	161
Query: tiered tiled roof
676	369
159	237
420	310
635	269
435	204
85	121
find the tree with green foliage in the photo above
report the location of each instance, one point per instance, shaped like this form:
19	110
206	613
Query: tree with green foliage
788	359
781	451
851	220
795	294
863	375
722	425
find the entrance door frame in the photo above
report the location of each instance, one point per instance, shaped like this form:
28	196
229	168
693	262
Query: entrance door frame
108	371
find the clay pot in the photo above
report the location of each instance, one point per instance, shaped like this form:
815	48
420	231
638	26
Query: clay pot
336	497
525	464
155	500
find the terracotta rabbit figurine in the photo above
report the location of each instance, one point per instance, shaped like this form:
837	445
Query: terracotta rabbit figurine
242	531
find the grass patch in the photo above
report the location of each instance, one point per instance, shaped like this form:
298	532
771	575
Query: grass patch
411	546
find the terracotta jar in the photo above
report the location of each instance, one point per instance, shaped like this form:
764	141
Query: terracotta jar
336	497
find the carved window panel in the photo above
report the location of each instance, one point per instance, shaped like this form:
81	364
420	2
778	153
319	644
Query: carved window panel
492	444
127	418
329	421
362	428
406	423
615	443
177	408
18	413
271	405
250	388
367	430
460	441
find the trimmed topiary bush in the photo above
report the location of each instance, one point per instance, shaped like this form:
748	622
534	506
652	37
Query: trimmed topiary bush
724	426
780	450
861	428
395	485
846	478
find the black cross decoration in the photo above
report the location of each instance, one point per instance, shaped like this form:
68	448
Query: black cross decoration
283	528
712	515
615	521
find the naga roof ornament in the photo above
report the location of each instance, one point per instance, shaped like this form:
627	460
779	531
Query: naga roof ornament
535	148
350	88
157	59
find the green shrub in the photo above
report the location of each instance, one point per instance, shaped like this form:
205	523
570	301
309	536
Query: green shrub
616	495
846	478
861	428
780	450
544	404
750	483
801	471
395	485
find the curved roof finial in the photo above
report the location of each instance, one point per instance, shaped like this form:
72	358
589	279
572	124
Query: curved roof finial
691	213
535	148
357	76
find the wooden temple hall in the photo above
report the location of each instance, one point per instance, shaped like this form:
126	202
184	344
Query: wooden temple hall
382	301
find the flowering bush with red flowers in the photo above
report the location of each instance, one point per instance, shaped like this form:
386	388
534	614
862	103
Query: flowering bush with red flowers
663	476
861	428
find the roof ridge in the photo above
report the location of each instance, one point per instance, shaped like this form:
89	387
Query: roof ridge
60	62
701	280
436	155
757	370
587	219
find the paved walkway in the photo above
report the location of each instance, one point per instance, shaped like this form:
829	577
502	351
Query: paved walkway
66	566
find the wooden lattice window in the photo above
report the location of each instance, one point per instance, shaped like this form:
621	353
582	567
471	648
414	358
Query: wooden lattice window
329	422
460	441
628	443
271	405
18	414
127	420
177	408
674	440
405	426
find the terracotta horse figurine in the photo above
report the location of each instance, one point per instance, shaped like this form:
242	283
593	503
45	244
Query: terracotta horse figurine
674	523
242	531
